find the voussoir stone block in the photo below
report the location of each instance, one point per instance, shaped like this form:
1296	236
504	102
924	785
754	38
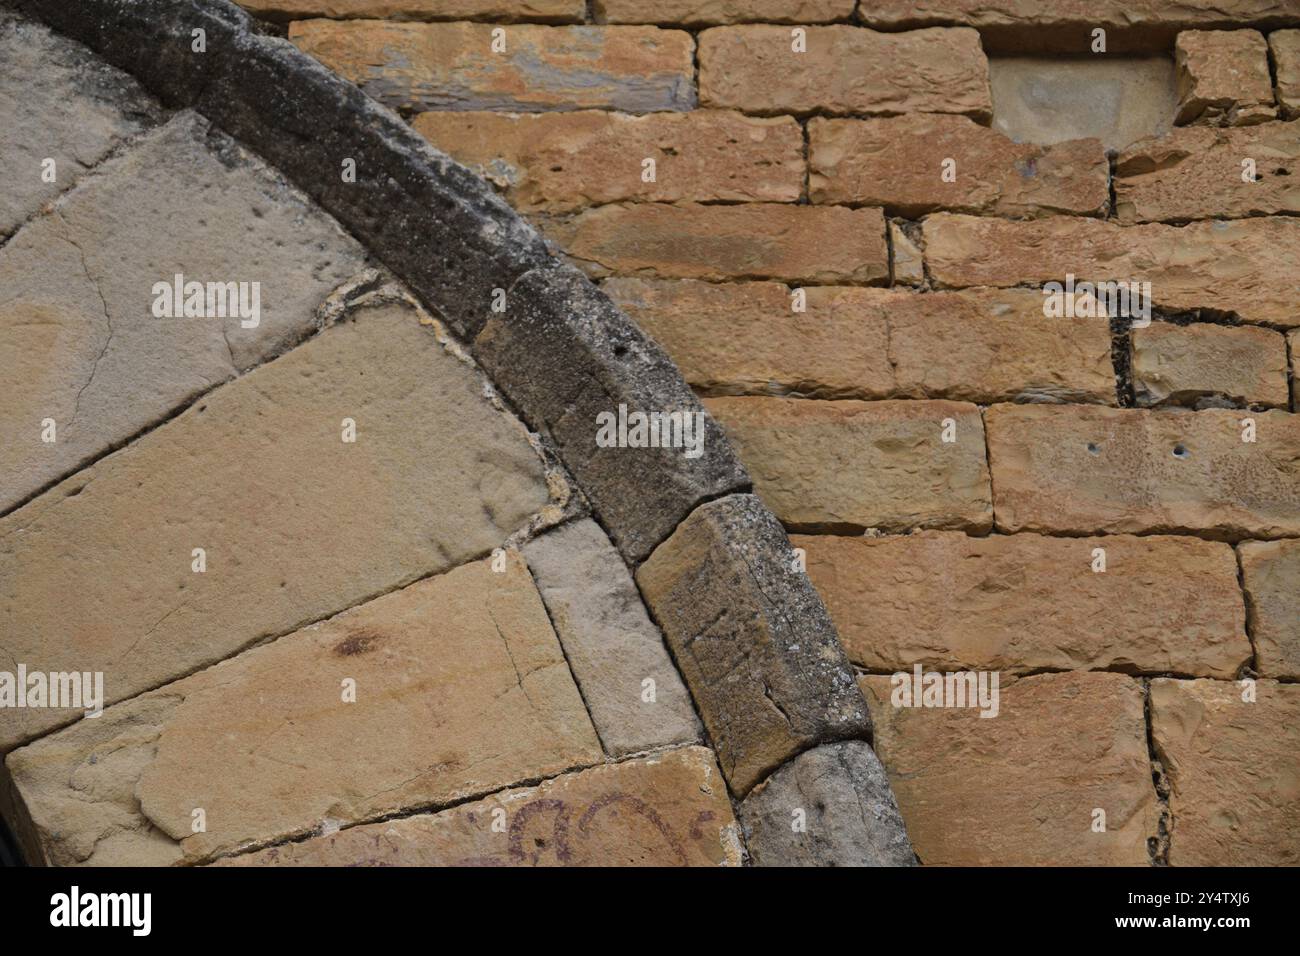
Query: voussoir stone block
841	796
564	355
610	641
752	639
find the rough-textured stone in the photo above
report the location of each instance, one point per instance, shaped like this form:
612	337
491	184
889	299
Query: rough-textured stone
848	810
1285	48
667	810
549	11
609	641
1082	469
1293	348
296	524
564	161
76	295
1021	788
752	639
907	261
452	66
746	339
1242	267
898	162
460	688
845	69
820	244
1187	364
702	12
1223	78
1232	771
564	355
57	102
1196	173
849	465
1114	99
1270	572
1026	602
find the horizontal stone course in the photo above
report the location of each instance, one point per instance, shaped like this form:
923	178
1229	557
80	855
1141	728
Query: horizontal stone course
704	12
745	338
460	688
817	244
670	809
844	69
1026	602
1086	469
899	163
1204	363
560	162
550	11
453	66
1270	575
850	465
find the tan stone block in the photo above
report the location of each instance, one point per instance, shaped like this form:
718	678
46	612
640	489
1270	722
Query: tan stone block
1285	47
1184	364
1232	769
670	809
850	465
1022	788
1027	602
906	258
550	11
752	241
845	69
559	162
1241	267
451	66
1196	173
460	688
1223	78
1270	573
1083	469
702	12
899	162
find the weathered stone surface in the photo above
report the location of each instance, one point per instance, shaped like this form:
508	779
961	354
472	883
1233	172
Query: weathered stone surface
845	69
564	355
1223	78
1285	48
1082	469
549	11
667	810
847	806
452	66
752	639
907	261
751	241
850	465
1021	788
563	161
1270	573
1187	364
746	339
701	12
609	641
1026	602
1196	173
82	344
1293	348
1232	770
57	102
1114	99
296	524
460	688
1241	267
898	162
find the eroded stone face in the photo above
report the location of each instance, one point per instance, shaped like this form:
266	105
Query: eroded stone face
852	465
1285	47
699	12
1231	770
558	11
1271	576
459	687
670	809
1205	364
295	523
1223	78
1027	602
1022	788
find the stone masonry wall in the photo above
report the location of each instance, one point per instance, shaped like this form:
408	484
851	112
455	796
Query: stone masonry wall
839	219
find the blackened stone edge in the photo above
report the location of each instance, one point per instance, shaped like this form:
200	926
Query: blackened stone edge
443	231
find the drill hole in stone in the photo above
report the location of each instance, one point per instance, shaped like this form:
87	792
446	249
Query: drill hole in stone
1180	451
1093	448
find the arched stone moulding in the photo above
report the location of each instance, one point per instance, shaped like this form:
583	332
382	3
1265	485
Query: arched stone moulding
771	682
